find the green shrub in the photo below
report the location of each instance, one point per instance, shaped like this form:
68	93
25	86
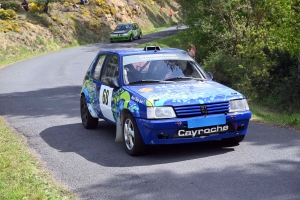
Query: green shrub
11	5
281	86
227	70
112	11
6	26
7	14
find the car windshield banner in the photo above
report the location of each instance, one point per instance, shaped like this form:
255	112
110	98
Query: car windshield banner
158	56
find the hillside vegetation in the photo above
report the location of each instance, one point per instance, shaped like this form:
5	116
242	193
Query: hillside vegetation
68	23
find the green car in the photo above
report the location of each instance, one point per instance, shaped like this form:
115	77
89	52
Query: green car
126	32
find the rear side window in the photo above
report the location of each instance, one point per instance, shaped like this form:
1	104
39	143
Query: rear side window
110	68
97	70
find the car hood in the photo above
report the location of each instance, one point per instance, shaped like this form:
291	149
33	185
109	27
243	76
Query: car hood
120	32
182	93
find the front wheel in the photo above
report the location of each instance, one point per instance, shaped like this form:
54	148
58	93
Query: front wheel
134	143
88	121
131	38
140	36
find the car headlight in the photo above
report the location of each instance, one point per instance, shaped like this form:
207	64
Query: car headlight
112	34
160	112
238	105
125	34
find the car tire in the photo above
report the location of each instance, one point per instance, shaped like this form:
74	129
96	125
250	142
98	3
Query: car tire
140	36
133	141
131	38
88	121
234	140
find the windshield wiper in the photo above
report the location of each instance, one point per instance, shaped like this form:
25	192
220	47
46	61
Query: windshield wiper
151	81
178	78
183	78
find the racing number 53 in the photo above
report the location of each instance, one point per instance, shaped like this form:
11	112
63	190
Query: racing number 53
105	96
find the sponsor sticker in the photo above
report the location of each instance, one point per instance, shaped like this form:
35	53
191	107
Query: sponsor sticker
146	89
202	131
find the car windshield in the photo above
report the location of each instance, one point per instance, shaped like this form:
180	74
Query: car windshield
123	27
162	67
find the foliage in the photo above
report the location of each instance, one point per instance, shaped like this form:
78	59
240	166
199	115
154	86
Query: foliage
6	26
98	12
228	70
281	89
112	11
95	25
45	4
35	7
11	5
99	2
7	14
244	27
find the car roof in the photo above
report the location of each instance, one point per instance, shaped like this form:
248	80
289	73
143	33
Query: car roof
137	51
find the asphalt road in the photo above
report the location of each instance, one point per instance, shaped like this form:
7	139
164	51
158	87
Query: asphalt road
40	98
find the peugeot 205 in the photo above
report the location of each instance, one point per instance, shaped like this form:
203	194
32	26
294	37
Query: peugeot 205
160	96
126	32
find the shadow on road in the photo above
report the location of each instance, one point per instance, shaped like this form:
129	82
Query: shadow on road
98	146
217	184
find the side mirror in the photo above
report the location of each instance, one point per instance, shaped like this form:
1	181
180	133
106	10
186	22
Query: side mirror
209	75
113	82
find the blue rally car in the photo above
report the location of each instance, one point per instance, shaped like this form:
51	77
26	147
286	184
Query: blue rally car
160	96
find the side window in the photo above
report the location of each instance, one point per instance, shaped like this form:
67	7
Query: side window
97	70
110	68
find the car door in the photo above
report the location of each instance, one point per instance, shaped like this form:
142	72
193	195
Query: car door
135	30
94	86
110	70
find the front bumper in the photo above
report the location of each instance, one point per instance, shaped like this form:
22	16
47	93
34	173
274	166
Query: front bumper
119	38
176	131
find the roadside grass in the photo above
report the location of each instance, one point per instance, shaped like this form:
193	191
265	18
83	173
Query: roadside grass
282	119
259	113
22	175
148	31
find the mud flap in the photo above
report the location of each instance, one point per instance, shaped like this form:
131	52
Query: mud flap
119	135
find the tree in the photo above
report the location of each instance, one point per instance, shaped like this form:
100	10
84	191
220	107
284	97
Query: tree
244	27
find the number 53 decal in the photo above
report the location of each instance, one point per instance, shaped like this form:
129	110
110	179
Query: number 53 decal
105	97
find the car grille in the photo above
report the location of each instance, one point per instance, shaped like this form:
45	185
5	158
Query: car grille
195	110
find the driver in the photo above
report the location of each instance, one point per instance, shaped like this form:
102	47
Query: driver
132	73
157	70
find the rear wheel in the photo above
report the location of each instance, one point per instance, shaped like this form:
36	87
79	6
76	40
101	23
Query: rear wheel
88	121
234	140
140	36
134	143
